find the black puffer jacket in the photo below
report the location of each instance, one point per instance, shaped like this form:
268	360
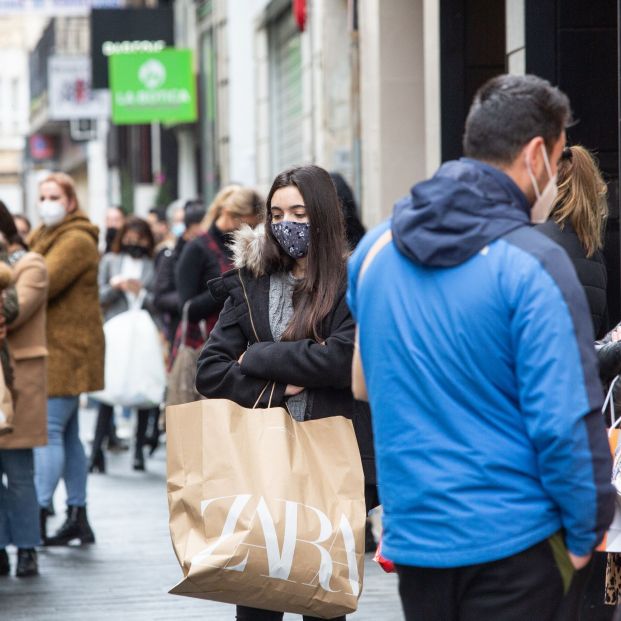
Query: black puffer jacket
165	294
267	366
591	271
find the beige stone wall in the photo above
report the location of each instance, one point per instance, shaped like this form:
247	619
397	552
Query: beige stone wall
394	154
10	162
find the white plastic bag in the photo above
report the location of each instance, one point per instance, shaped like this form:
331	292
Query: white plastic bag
134	370
612	540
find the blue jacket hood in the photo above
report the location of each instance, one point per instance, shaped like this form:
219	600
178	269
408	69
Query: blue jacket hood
449	218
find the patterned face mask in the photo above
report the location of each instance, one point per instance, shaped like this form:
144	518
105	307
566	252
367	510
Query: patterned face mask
293	237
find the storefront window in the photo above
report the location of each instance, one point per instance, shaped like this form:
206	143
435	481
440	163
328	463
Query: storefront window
286	92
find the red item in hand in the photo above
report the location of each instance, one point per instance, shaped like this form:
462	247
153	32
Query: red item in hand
387	565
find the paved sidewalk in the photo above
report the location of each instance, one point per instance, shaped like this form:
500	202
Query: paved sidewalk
127	574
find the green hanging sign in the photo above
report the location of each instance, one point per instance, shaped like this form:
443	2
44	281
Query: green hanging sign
152	86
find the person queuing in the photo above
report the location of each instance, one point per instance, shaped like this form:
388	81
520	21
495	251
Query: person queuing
68	242
165	294
354	232
577	223
19	510
354	229
23	226
124	274
285	334
477	348
159	227
115	218
207	257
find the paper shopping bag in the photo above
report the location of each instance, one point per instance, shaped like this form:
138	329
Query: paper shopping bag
266	511
6	407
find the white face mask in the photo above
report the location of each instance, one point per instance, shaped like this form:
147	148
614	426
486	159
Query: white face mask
545	200
51	212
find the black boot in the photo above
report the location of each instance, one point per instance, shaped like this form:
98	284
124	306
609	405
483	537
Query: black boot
139	458
44	512
5	566
27	563
97	462
153	434
141	432
102	429
76	526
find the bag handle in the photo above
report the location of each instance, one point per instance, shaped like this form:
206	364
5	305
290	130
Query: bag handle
358	383
384	239
269	403
138	300
610	402
185	322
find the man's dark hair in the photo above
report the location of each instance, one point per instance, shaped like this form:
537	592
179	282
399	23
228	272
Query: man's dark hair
194	214
159	213
509	111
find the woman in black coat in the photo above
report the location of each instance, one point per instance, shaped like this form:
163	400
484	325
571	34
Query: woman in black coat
285	335
577	224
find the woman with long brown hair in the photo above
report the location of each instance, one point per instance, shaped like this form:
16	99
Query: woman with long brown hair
285	334
577	223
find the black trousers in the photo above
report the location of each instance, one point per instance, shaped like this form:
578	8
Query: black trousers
522	587
105	419
585	598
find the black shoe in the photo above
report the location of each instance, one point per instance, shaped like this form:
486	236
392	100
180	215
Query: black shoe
76	526
139	459
153	443
50	509
5	566
97	462
27	563
116	445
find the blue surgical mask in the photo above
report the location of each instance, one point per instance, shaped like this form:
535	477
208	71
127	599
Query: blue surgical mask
293	237
178	229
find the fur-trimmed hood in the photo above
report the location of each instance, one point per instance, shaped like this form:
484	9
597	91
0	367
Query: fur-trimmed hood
248	248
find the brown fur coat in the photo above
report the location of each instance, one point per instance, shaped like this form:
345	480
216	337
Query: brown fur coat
74	323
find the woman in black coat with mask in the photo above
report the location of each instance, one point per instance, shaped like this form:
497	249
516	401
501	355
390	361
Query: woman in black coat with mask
285	335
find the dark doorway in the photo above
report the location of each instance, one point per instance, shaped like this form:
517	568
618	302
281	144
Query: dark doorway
573	44
472	50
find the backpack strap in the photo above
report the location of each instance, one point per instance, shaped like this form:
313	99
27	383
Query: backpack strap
359	387
383	240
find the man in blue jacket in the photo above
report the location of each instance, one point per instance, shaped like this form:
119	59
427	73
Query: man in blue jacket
477	348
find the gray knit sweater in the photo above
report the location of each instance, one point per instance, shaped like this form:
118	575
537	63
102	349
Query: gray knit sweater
281	312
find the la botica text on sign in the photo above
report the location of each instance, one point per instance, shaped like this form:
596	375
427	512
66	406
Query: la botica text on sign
158	86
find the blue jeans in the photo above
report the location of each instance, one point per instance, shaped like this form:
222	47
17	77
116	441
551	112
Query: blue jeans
63	456
19	511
